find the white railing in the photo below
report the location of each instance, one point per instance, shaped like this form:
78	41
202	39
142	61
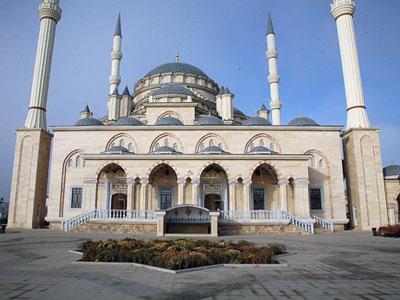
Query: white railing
251	215
328	225
107	214
303	224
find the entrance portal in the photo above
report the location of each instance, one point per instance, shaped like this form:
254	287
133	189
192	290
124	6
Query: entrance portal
213	202
118	201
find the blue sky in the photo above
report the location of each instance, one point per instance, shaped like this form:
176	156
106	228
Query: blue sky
224	38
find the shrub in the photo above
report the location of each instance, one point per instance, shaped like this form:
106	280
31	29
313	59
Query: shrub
179	254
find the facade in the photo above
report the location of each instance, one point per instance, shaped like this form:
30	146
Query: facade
176	153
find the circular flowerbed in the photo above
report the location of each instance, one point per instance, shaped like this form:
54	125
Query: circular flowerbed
179	254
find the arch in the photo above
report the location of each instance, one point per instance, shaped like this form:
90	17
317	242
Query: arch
214	187
210	136
104	165
206	165
269	138
166	135
157	164
273	166
63	179
115	140
170	113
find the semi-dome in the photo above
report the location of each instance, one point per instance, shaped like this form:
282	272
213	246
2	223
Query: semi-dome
261	150
256	121
168	121
173	90
165	150
303	121
177	67
89	122
213	150
117	150
128	121
392	170
209	120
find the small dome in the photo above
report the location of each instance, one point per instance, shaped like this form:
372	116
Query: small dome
168	121
213	150
261	150
165	150
177	67
89	122
209	120
128	121
117	150
303	121
392	170
173	90
237	111
256	121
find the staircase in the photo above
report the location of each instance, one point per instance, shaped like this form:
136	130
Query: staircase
299	222
323	225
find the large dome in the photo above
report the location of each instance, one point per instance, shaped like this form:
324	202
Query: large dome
177	67
392	170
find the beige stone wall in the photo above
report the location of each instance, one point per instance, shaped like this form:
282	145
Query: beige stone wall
291	142
227	229
121	228
364	175
392	191
29	180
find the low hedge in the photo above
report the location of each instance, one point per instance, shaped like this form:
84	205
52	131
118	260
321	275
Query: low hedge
179	254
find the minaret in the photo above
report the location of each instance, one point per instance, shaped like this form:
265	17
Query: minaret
116	56
50	14
342	11
273	78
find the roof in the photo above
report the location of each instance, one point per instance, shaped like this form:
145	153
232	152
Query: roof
86	109
270	26
165	150
118	26
209	120
237	111
126	91
213	150
392	170
89	122
261	150
117	150
128	121
165	121
256	121
173	90
177	67
303	121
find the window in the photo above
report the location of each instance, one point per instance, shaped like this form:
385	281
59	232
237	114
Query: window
122	143
321	163
76	197
315	199
69	163
312	162
165	197
258	199
78	161
130	148
272	147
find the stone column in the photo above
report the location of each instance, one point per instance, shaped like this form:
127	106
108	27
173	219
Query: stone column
247	195
283	205
143	193
160	217
195	192
181	191
301	198
232	194
214	222
130	193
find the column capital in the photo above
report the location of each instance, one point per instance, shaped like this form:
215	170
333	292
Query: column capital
301	181
181	181
50	10
283	182
232	181
130	181
144	181
195	181
247	182
90	181
342	7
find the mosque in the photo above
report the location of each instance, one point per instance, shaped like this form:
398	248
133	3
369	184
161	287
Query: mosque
175	155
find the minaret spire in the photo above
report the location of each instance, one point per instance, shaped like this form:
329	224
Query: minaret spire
50	14
342	11
177	56
273	78
116	56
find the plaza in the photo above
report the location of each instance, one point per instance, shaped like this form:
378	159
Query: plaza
342	265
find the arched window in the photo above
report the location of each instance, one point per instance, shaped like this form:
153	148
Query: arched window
220	146
251	146
122	143
175	146
211	143
262	143
272	147
78	161
202	147
130	148
321	163
312	162
157	146
166	143
69	164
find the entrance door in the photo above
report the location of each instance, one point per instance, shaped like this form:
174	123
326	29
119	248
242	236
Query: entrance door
118	201
213	202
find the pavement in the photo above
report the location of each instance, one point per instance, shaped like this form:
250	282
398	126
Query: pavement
36	264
